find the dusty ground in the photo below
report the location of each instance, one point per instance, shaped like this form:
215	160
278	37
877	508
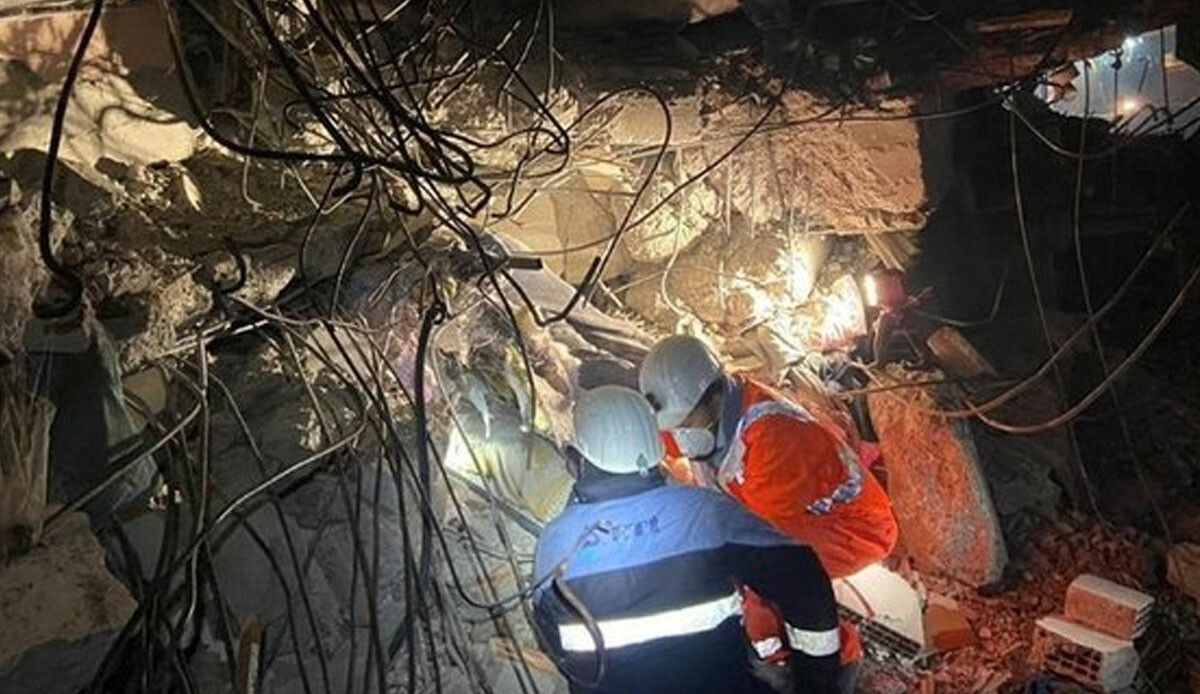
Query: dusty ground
1051	554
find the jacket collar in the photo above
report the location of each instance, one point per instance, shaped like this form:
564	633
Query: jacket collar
596	485
731	411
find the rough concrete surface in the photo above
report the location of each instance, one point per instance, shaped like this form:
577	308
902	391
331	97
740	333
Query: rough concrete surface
840	177
59	608
129	39
747	237
941	498
23	274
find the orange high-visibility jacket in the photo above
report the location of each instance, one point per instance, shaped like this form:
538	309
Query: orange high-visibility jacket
803	478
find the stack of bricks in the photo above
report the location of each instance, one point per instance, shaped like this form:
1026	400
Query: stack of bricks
1092	642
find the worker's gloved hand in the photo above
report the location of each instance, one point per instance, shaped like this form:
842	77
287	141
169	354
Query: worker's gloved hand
815	675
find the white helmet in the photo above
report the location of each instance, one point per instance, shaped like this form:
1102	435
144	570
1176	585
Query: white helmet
675	375
615	431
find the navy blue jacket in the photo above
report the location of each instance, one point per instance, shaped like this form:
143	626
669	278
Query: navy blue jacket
654	569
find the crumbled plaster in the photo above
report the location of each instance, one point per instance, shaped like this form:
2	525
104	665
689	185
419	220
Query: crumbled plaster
831	176
107	119
731	280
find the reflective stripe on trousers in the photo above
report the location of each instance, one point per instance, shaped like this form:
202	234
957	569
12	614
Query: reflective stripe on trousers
768	647
814	643
629	631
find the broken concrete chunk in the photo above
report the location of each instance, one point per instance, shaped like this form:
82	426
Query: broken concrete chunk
60	610
937	487
946	627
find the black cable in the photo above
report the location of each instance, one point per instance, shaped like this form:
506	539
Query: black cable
593	628
45	214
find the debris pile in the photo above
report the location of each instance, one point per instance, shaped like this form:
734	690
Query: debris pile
1052	554
61	610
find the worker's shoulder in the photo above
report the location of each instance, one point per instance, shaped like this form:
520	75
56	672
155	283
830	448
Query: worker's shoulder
700	503
667	495
689	495
769	418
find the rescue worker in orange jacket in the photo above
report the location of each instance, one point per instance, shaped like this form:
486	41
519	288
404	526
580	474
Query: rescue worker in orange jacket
766	451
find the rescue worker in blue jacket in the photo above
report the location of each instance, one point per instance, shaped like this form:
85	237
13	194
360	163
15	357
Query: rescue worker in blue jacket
638	579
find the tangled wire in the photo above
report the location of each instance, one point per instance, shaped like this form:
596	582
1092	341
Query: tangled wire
419	116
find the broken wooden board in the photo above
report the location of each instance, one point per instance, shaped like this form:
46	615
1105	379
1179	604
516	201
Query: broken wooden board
936	484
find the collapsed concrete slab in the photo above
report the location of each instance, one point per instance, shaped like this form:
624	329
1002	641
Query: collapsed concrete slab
108	119
745	241
937	486
123	106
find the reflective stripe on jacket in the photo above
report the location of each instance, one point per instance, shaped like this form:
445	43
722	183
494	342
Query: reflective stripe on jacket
806	481
654	567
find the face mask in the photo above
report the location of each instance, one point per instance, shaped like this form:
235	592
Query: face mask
694	442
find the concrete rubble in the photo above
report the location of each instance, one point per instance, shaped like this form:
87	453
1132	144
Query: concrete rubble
149	212
1053	554
311	531
61	609
749	232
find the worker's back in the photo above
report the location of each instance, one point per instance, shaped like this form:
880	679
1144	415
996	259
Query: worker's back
797	473
651	563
